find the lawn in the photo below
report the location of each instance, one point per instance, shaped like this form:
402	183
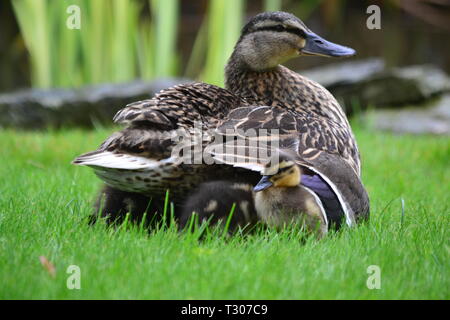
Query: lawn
44	202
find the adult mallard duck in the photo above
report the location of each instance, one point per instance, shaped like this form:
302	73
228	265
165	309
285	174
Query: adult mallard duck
140	158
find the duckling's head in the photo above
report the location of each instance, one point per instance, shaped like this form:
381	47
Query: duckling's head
280	172
272	38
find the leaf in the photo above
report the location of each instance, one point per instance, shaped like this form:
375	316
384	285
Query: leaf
48	266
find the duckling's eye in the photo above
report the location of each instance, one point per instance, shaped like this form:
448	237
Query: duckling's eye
279	28
284	170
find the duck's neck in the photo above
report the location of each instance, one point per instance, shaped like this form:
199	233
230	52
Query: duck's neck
280	86
251	84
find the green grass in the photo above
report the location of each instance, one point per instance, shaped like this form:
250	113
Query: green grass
44	202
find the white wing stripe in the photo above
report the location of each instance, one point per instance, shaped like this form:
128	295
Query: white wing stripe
112	160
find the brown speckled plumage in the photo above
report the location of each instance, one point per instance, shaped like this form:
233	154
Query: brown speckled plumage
138	158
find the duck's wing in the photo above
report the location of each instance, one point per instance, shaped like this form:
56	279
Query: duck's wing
181	106
307	135
154	126
344	182
342	198
318	145
130	149
148	156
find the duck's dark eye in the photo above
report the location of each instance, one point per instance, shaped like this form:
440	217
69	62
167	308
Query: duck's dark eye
279	28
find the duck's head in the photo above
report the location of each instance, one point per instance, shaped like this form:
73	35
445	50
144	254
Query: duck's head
280	172
272	38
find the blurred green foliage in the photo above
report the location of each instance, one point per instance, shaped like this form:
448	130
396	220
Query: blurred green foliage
114	43
122	40
224	26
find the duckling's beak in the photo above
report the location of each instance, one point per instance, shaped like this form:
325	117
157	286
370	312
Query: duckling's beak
316	45
264	183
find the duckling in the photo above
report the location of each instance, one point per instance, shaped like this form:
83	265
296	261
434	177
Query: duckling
281	200
116	204
213	201
143	159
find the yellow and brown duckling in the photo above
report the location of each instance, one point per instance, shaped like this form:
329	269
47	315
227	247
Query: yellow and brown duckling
140	159
281	200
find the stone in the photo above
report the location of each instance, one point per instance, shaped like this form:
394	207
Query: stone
82	107
358	85
345	73
431	119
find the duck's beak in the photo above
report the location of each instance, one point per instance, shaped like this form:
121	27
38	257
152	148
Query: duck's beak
316	45
264	183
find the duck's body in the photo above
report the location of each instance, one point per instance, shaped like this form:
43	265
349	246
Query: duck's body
145	158
306	100
141	158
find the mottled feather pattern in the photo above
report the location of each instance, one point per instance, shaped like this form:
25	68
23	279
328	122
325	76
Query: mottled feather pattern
151	131
305	134
307	116
306	100
181	106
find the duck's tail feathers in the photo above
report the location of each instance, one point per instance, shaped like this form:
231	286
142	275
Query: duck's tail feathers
113	160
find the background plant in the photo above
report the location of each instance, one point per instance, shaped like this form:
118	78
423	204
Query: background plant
123	40
118	40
